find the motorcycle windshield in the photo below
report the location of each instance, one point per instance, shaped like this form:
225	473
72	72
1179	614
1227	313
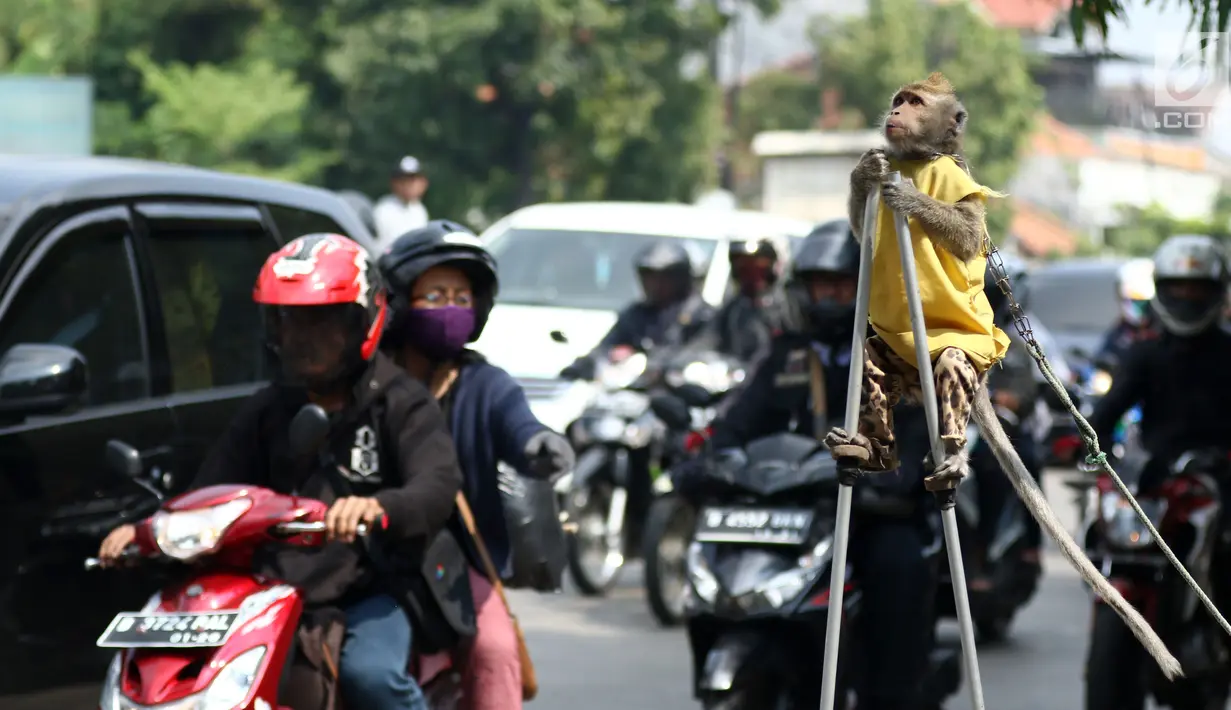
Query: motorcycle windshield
742	569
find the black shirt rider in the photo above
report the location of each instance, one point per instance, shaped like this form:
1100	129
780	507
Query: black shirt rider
670	314
1180	375
756	313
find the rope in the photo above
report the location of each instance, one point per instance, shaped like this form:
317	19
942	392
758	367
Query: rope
1094	455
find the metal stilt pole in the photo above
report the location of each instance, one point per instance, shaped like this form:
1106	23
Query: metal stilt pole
847	473
946	498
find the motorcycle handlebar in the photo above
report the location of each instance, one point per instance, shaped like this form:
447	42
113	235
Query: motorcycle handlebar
288	529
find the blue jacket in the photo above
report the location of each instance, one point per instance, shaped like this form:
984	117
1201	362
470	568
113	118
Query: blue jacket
491	422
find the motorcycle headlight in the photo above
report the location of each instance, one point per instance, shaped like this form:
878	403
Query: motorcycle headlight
188	534
1100	383
1121	527
703	581
617	376
608	428
714	377
233	684
230	688
789	584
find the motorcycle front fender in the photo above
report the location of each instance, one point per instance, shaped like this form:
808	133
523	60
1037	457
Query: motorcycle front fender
732	656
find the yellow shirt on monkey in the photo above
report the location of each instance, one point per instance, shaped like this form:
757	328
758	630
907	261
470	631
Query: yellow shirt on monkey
955	309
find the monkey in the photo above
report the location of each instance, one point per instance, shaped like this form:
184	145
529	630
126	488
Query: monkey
945	208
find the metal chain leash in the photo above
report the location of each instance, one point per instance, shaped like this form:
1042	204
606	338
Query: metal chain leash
1094	455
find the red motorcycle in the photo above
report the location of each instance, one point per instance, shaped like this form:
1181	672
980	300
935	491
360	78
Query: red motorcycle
1186	509
219	637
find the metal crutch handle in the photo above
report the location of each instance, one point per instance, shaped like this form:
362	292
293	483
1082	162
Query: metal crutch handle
846	478
946	498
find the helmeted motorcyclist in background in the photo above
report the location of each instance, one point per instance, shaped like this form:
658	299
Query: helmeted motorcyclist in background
442	286
670	313
751	317
1179	376
888	553
1014	387
325	310
1135	288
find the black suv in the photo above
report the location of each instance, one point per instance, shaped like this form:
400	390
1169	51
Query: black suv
125	313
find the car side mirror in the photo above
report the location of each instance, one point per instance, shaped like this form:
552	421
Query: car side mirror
672	411
693	395
308	430
124	459
41	379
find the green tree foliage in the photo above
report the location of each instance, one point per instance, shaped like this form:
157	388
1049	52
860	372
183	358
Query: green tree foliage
1144	228
1207	15
867	58
506	101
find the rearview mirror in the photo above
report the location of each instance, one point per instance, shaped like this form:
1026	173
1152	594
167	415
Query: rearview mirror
41	379
308	430
124	459
672	411
693	395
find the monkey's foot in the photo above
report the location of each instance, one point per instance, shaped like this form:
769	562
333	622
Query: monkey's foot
949	473
844	445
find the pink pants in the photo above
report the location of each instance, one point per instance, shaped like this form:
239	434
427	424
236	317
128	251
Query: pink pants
493	671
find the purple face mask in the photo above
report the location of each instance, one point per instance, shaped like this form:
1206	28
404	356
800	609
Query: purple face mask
439	332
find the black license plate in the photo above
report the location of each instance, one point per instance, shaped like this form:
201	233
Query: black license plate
777	526
164	630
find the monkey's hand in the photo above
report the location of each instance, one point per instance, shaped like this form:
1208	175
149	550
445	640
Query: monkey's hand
870	172
905	198
844	445
949	473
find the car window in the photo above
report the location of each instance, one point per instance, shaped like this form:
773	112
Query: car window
81	296
294	222
1081	302
205	274
577	269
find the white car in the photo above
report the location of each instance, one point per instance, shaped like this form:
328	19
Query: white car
566	271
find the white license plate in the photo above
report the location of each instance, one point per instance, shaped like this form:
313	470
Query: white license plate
168	630
781	526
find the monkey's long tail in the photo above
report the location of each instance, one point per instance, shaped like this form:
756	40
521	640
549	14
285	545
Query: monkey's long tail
1031	495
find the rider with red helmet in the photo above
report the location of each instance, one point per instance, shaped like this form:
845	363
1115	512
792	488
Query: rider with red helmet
324	307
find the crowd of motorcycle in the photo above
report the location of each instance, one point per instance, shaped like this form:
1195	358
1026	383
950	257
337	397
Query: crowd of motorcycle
747	571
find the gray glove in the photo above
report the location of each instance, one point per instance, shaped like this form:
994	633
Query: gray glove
549	455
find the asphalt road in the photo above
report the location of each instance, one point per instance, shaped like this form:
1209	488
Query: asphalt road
609	654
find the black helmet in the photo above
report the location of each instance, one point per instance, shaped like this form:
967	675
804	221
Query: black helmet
439	242
1019	284
829	249
753	247
665	256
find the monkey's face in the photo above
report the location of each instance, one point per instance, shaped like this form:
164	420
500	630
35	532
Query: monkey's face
906	112
920	123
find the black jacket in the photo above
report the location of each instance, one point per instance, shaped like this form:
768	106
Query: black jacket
778	398
743	328
393	443
1183	386
644	327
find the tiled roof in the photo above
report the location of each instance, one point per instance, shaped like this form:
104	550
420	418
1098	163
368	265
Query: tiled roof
1032	15
1040	233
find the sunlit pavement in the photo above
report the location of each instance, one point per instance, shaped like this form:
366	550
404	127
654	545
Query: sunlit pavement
609	653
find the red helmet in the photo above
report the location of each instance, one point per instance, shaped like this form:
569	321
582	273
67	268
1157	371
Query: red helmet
324	307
